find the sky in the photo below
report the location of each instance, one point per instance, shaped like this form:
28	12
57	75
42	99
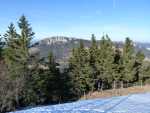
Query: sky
81	18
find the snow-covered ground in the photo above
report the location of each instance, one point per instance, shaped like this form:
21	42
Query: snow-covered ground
134	103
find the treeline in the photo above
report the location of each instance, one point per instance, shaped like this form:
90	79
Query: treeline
105	64
28	80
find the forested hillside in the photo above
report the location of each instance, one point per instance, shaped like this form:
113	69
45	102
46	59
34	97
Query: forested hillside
27	79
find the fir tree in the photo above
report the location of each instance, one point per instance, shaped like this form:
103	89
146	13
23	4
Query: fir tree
117	65
139	64
93	51
80	70
17	58
128	61
105	61
54	79
11	38
144	72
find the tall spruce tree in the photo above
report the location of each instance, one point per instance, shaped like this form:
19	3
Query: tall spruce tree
138	65
54	80
11	59
105	61
144	72
93	52
67	87
25	40
17	58
24	43
10	96
74	68
86	72
117	65
128	61
109	59
11	38
80	70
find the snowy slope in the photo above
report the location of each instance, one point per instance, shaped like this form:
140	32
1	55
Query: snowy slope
134	103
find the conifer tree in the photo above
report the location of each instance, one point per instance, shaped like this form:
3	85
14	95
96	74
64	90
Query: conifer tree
54	79
105	61
10	52
93	52
109	59
17	57
117	65
25	40
128	61
67	87
139	64
74	68
86	72
24	43
144	72
8	86
46	81
80	70
11	60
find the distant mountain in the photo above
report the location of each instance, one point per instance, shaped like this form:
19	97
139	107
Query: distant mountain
62	47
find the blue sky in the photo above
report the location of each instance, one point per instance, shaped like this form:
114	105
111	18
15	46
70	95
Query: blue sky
81	18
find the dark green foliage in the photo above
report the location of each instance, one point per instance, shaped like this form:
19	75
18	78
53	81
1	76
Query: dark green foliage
144	72
128	61
117	65
93	54
104	60
80	70
53	80
8	90
67	87
16	57
138	65
103	64
26	32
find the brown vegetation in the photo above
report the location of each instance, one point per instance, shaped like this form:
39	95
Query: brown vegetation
117	92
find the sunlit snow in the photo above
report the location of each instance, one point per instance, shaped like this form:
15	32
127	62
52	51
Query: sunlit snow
133	103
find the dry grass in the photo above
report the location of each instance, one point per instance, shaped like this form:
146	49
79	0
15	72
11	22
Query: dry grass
117	92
